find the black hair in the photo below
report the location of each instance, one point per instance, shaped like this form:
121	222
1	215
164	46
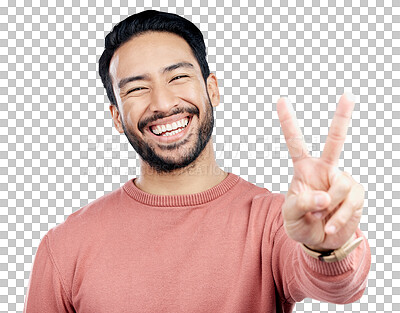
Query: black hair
148	21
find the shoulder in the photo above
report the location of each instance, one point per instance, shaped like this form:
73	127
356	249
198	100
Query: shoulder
261	196
263	209
262	201
86	220
266	205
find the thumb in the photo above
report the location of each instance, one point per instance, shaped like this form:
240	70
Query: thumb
298	205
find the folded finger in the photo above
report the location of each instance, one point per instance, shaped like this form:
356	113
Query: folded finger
296	206
351	207
341	185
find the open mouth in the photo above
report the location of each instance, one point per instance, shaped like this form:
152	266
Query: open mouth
165	130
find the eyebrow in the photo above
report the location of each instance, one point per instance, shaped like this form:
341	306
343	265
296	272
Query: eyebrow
126	80
177	65
167	69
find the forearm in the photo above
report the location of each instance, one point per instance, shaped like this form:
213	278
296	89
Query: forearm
339	282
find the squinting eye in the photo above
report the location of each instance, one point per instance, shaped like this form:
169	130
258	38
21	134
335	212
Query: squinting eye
135	89
178	77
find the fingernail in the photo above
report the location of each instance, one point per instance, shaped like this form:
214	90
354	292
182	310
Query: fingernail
317	215
350	96
289	104
331	229
319	200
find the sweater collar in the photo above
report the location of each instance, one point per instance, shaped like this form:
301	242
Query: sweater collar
181	200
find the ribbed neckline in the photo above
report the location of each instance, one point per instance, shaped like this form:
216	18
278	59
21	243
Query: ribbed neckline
181	200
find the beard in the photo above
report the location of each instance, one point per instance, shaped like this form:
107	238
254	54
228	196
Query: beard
166	164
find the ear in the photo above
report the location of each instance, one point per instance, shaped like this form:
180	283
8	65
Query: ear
116	118
213	90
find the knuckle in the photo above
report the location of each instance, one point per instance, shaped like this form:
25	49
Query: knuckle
337	137
358	213
346	183
341	221
361	189
358	199
346	174
360	202
302	202
354	203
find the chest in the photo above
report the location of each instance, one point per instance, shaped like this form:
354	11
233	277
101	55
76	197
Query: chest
170	266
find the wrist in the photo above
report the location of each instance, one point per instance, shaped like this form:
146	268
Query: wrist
334	255
318	249
323	250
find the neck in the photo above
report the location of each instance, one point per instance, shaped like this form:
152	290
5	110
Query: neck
204	173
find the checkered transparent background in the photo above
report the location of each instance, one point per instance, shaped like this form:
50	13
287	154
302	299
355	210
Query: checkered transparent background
59	150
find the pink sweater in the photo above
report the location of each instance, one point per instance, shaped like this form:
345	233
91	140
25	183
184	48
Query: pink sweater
222	250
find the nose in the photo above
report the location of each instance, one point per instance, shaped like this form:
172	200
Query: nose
162	99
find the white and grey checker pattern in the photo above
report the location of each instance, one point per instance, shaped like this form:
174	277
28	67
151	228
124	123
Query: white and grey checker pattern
59	150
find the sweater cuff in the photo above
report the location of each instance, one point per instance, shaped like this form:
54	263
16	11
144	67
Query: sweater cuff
335	268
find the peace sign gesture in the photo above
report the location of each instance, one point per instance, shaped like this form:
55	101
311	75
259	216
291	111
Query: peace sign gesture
323	206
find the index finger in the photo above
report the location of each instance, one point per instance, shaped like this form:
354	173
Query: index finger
291	130
338	129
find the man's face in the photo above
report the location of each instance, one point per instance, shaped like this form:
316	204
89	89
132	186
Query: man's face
164	106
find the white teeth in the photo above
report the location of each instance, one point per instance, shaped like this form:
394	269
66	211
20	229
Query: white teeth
172	133
169	127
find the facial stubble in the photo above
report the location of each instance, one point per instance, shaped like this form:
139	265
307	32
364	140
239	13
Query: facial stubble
164	164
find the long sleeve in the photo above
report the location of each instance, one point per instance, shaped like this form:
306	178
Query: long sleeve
339	282
223	250
298	275
46	292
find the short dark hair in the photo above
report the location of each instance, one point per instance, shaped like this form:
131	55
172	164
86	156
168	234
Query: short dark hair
148	21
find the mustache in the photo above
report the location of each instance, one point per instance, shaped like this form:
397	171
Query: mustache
142	124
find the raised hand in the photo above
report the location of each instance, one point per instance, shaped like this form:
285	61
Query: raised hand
323	206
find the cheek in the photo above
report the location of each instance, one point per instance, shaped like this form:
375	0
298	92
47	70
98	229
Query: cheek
192	93
132	113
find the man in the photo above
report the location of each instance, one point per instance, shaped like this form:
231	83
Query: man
185	236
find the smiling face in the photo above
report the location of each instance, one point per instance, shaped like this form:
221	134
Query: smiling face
164	105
